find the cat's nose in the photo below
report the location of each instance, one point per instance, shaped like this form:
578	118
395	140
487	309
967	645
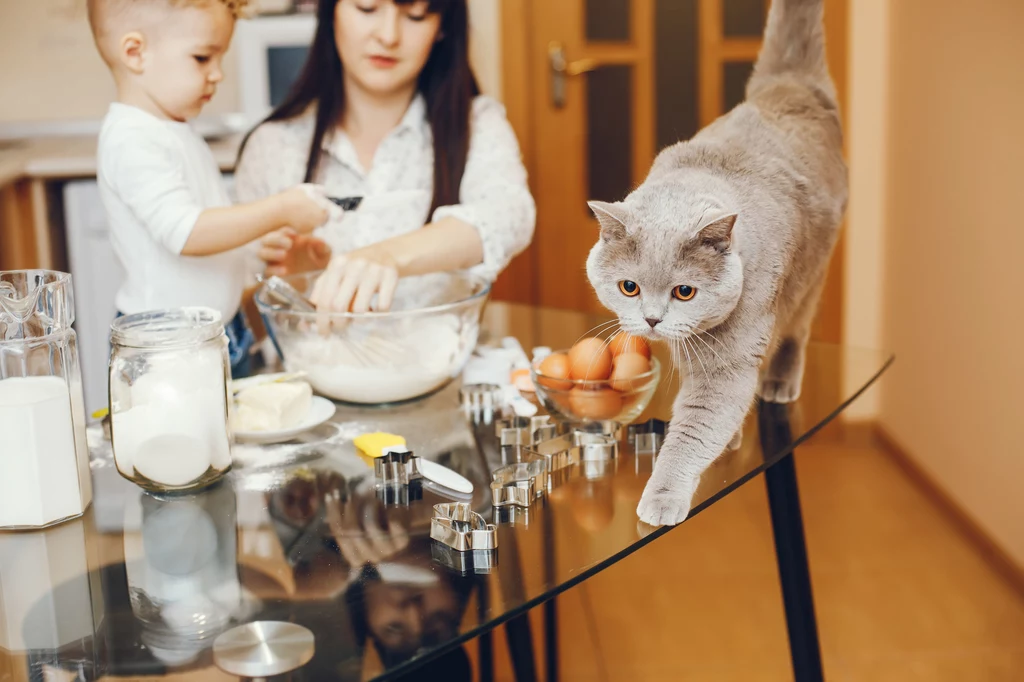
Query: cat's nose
653	321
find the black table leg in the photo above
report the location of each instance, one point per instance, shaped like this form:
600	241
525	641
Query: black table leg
485	641
517	631
550	606
551	640
790	546
520	648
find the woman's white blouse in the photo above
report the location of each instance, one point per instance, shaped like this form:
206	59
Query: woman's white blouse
398	189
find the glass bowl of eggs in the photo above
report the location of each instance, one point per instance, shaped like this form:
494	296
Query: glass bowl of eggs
598	380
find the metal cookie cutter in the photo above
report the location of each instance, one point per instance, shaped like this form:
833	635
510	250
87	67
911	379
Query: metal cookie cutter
560	452
464	539
521	482
511	515
595	447
481	402
604	428
398	475
598	453
647	436
397	467
526	430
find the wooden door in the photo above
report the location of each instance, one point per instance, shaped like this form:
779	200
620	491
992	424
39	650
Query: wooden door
592	75
595	88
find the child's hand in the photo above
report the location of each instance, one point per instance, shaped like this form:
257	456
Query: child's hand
286	252
307	208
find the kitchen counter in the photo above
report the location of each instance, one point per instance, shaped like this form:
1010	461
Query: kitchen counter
59	157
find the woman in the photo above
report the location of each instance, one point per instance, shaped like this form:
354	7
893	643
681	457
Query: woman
387	109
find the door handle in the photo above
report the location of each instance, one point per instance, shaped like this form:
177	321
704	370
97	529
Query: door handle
561	69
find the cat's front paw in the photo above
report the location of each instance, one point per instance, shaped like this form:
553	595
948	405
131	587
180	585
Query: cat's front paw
665	505
737	441
779	391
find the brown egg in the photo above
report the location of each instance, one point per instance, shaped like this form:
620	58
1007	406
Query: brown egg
560	403
590	360
625	368
555	369
625	343
603	403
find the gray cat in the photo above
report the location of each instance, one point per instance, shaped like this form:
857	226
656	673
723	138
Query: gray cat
722	251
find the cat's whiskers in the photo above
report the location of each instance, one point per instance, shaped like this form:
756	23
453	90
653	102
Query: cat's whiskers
712	348
675	362
688	363
604	343
709	334
602	326
699	359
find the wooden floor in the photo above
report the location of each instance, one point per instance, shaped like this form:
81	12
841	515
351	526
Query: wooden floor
901	594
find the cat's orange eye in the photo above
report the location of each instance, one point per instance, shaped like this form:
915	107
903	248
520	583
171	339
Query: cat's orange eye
684	292
629	288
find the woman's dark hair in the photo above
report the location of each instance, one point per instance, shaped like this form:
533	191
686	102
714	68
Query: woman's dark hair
446	82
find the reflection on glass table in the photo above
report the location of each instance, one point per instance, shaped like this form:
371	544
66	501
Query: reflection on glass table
300	532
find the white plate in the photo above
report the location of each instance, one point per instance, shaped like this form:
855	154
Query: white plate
320	411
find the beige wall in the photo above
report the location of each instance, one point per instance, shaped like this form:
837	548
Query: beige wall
49	68
867	147
953	242
50	71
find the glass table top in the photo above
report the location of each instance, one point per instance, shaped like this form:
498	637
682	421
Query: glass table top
142	585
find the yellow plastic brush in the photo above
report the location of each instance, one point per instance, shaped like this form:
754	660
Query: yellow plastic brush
371	445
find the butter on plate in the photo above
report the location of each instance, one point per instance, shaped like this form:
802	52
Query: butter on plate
272	406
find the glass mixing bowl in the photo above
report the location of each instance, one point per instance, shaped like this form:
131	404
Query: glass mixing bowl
582	402
375	358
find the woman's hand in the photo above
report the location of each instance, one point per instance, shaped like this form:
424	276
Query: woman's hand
287	252
352	279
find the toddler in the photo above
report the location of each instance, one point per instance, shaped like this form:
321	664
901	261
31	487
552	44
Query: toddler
171	222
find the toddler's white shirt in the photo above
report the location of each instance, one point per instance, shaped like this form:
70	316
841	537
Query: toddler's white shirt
155	178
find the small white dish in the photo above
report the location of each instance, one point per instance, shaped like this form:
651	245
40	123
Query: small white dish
320	410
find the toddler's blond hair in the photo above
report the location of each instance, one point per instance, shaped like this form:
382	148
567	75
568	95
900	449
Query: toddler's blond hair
110	18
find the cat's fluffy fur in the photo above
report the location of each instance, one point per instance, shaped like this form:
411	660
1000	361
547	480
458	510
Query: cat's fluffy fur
748	213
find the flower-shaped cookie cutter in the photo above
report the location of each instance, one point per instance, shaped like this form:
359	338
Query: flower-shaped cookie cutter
398	477
647	436
396	467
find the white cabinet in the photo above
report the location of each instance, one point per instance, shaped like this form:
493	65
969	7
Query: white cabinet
96	274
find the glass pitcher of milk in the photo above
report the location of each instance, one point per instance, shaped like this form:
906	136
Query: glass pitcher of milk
44	457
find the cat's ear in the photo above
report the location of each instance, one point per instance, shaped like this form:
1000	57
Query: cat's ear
718	234
612	218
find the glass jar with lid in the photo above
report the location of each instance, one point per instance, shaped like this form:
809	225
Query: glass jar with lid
44	457
169	401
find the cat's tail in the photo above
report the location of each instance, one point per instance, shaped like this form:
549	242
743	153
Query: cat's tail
794	47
